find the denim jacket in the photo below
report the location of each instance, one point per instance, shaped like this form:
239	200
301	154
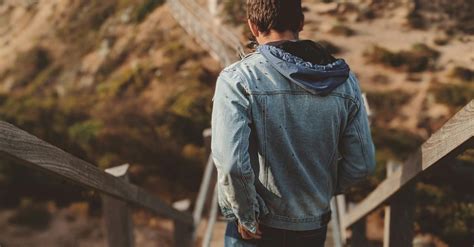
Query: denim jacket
287	135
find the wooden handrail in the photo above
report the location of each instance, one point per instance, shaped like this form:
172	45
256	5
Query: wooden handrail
27	149
198	22
450	140
203	191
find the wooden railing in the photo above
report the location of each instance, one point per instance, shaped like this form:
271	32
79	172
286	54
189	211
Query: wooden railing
397	190
222	44
26	149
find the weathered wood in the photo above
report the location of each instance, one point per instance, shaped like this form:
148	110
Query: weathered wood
451	139
26	149
204	198
391	167
205	190
118	223
206	33
212	220
335	223
341	208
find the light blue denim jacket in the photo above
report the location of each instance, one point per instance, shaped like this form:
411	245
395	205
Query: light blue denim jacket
287	135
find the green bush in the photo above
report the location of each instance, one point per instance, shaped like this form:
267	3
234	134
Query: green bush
453	94
386	104
418	59
29	64
445	206
234	12
146	8
463	74
341	29
83	133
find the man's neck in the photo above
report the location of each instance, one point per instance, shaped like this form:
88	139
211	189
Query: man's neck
274	36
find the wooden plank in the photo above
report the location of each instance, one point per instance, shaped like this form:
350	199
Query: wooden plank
118	222
341	208
335	223
450	139
26	149
390	168
207	186
212	220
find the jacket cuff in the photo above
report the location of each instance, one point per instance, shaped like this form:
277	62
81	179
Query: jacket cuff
250	225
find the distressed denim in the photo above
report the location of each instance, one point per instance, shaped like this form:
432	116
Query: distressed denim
281	149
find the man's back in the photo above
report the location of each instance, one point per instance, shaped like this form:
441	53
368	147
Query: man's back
287	135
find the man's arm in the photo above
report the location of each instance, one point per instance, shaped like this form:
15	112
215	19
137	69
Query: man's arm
230	144
356	148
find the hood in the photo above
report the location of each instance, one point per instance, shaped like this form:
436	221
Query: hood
307	64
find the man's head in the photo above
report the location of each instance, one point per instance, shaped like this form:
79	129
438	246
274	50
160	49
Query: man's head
272	20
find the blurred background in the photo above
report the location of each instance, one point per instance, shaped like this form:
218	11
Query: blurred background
119	81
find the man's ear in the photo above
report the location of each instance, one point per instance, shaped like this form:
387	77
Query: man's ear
253	28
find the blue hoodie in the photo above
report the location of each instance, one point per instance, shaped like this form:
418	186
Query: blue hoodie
289	131
315	78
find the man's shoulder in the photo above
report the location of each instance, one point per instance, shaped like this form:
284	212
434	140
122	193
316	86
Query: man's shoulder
249	60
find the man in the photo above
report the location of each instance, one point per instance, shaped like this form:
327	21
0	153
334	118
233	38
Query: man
289	131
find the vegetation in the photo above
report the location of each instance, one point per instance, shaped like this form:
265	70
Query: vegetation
116	119
386	104
453	94
445	206
420	58
342	30
463	74
145	8
234	12
32	215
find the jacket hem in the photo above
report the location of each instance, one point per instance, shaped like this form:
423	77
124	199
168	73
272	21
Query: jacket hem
296	224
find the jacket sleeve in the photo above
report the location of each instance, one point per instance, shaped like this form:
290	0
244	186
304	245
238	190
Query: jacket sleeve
230	145
356	148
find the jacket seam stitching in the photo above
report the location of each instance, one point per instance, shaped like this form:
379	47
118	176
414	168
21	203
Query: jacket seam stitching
362	145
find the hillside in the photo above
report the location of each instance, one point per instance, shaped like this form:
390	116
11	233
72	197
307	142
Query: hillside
111	82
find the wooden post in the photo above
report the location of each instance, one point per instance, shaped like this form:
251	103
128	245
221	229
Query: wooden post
341	209
118	222
213	178
335	223
212	220
399	216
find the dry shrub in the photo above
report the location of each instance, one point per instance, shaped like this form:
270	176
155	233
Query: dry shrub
419	58
342	30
